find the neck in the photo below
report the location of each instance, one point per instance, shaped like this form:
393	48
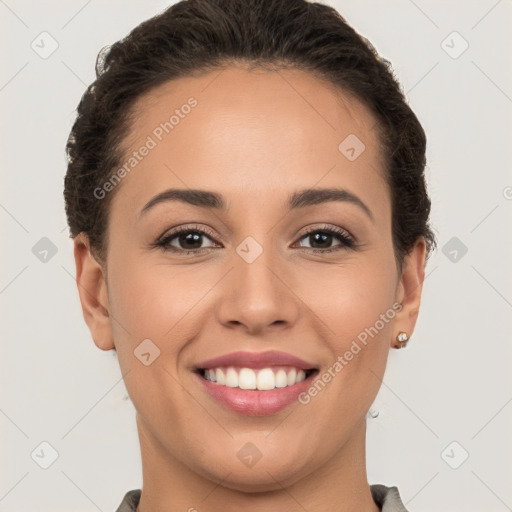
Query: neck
339	485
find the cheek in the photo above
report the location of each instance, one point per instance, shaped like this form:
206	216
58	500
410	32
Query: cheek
154	303
150	298
159	302
361	303
355	302
351	296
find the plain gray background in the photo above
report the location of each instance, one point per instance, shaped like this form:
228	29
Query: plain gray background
440	426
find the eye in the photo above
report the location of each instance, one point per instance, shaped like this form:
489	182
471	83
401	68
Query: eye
320	239
189	240
185	240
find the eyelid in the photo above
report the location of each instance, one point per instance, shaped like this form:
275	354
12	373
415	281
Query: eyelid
186	227
327	228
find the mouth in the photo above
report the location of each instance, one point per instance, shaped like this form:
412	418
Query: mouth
257	379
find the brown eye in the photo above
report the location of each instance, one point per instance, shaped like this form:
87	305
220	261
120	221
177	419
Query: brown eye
189	240
321	239
186	240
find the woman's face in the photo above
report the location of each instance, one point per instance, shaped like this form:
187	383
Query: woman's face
255	280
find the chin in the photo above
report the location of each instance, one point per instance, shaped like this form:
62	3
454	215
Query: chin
261	477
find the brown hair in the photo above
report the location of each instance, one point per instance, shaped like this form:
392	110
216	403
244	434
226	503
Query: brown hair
194	36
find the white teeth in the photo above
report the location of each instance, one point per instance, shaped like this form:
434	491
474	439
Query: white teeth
231	378
281	379
247	379
266	379
262	379
291	376
219	376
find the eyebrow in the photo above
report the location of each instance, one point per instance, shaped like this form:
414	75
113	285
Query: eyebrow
299	199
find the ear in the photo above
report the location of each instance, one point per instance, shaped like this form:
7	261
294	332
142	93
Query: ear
92	289
409	288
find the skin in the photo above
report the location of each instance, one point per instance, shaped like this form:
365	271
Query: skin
255	137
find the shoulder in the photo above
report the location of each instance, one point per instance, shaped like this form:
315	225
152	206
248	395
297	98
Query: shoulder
130	501
387	498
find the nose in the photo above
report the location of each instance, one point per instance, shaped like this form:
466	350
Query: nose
258	296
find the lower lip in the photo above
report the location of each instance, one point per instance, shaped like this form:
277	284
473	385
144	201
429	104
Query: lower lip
253	402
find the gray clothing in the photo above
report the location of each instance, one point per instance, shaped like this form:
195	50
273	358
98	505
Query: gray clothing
387	498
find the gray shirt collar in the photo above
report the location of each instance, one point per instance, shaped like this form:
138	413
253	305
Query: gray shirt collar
387	498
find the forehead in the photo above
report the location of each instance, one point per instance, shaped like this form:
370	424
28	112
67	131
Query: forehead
252	131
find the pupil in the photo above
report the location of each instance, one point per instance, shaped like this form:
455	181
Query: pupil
325	236
194	238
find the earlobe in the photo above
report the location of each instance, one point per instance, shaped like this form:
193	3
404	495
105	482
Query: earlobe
92	290
408	294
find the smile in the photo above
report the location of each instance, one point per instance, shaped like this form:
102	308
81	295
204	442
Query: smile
262	379
255	392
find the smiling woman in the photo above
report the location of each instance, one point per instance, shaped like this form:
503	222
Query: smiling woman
254	269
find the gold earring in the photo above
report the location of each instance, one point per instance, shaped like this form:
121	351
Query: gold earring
401	340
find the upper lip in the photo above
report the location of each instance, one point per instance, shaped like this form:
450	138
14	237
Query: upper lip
256	360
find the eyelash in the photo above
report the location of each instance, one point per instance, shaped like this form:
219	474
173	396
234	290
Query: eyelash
342	235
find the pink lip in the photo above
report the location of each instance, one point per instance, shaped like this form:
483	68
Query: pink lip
257	360
253	402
